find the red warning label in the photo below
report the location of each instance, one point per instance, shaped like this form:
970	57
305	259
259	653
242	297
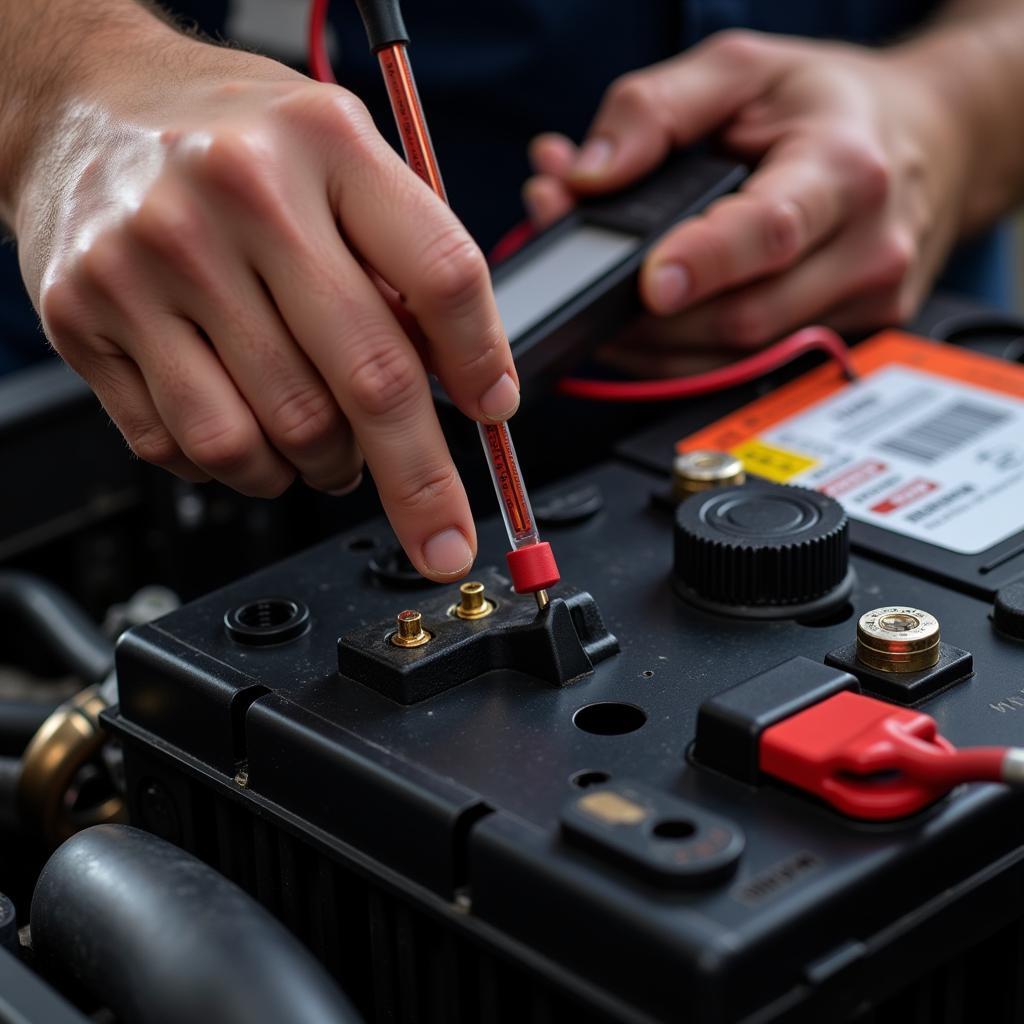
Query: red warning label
910	492
853	477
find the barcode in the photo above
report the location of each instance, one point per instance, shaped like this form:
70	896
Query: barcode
953	427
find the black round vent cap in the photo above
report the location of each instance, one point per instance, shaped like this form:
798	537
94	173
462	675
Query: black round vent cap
763	550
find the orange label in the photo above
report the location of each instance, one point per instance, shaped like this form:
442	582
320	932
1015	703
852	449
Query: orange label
890	348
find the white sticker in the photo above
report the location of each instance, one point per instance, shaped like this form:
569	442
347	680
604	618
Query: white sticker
918	454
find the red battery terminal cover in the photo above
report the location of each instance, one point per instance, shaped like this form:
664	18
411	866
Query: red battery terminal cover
533	568
871	760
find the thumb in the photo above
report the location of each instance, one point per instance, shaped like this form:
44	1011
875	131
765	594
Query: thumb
647	113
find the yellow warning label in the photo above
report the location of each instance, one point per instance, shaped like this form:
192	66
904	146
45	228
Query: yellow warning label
772	463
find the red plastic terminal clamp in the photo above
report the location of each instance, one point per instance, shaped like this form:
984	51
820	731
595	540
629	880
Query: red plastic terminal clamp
533	568
872	760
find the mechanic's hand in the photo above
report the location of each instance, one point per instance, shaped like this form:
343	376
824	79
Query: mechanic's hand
255	286
852	209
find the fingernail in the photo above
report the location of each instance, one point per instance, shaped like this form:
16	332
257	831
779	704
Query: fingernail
593	157
448	553
348	488
500	401
670	284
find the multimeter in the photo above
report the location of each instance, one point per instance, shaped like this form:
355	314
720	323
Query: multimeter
574	286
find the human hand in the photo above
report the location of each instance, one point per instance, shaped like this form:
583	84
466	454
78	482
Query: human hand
256	286
849	215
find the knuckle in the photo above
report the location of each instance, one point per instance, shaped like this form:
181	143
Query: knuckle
736	47
220	446
305	417
430	486
383	379
866	165
242	165
152	443
455	271
895	257
635	90
105	265
783	232
490	350
168	227
60	308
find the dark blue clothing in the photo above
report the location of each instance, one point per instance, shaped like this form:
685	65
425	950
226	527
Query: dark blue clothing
492	75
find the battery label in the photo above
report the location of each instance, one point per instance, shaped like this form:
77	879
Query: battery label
928	444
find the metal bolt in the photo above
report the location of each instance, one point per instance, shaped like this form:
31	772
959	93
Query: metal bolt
693	472
898	639
473	602
410	632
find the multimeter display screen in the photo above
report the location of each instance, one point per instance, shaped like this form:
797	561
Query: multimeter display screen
557	273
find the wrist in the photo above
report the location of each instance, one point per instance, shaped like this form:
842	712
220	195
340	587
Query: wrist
70	67
971	106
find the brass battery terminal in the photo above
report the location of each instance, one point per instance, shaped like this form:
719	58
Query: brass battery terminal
898	639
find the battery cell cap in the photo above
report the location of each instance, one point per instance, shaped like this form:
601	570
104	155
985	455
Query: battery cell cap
898	639
533	568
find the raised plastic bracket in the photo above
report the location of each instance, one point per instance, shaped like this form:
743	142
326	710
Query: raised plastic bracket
558	645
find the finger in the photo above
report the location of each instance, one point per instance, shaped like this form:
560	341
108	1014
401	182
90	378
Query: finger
644	114
552	153
546	200
853	264
344	324
415	242
785	210
122	391
74	316
291	401
201	407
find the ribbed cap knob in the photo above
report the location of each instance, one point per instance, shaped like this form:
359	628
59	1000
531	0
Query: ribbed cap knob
780	550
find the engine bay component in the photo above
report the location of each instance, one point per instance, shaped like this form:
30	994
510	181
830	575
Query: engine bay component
763	551
693	472
67	741
898	639
162	938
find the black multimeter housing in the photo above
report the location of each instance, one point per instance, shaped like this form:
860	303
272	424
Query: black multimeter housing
574	286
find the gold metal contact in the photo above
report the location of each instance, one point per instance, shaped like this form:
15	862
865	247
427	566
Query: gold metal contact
612	809
410	632
898	639
693	472
473	602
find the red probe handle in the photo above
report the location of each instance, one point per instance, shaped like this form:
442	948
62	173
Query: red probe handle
533	568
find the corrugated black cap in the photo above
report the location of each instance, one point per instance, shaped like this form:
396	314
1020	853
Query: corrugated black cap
761	545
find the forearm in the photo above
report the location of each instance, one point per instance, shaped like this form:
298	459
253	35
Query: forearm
971	56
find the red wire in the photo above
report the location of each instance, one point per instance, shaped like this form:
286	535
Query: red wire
809	339
319	62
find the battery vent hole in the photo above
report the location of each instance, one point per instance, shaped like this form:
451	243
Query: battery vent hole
609	718
675	829
266	614
268	620
590	778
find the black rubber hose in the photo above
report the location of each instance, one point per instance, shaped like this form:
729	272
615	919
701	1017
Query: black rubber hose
10	772
58	622
19	722
161	938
